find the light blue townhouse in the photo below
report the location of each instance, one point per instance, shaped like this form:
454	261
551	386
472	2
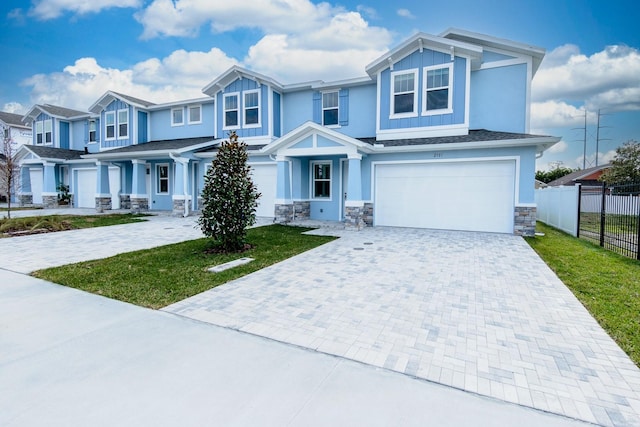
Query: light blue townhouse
434	134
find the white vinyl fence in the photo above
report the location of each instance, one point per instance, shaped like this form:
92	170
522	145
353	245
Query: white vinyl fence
620	205
558	207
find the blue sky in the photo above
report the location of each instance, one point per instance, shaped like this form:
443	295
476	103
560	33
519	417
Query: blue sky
69	52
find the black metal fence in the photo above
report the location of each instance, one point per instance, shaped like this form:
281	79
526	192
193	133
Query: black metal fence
609	215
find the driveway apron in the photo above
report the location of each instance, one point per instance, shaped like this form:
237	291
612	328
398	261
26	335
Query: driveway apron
475	311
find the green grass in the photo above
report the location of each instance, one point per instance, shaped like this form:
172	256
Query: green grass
52	223
158	277
614	223
606	283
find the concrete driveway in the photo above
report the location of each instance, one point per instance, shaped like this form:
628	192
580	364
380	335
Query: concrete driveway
475	311
437	319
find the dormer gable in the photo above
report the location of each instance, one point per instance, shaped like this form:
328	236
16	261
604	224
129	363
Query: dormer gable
234	73
53	125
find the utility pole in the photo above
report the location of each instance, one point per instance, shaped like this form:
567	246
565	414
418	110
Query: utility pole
584	141
598	135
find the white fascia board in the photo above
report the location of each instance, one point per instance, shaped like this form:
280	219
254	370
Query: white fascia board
424	41
238	72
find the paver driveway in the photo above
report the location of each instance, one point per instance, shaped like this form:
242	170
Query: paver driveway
479	312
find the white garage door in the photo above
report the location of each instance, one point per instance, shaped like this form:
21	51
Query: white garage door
476	196
36	177
86	188
265	178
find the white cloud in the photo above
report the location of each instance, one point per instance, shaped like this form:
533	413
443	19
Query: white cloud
181	75
51	9
607	79
14	107
603	159
559	147
405	13
557	114
369	12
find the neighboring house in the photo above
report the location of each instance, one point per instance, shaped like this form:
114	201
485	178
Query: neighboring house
434	135
589	176
14	129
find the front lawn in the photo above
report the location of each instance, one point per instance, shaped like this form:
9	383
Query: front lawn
158	277
51	223
606	283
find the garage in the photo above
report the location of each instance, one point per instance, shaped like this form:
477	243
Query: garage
264	177
463	195
36	177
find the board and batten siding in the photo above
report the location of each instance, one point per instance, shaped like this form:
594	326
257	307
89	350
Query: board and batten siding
118	142
240	86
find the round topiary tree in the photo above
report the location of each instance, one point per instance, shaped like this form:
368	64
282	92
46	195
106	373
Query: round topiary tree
229	197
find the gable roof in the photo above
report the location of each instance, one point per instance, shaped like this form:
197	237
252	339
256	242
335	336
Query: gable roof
537	53
421	41
51	153
110	96
11	119
582	174
234	73
54	111
160	148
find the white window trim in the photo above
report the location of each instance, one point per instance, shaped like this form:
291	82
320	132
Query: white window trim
44	129
193	122
106	125
118	136
313	181
322	109
39	123
224	111
173	124
244	109
448	110
95	131
416	88
168	178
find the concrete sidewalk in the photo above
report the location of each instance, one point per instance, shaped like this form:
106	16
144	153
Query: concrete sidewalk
72	358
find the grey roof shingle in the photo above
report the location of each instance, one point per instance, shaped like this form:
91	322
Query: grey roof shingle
134	100
571	178
68	113
12	119
477	135
55	153
161	145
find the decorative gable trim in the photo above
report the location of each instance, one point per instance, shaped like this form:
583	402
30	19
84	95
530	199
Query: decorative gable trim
234	73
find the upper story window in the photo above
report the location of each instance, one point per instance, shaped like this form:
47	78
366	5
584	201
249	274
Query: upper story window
92	131
252	108
39	133
123	123
404	97
48	131
177	117
437	87
110	125
231	109
195	114
321	180
330	108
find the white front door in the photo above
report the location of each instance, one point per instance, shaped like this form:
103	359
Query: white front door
85	193
114	186
36	176
265	178
345	185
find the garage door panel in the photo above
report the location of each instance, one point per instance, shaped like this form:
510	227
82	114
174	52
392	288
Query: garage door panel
461	196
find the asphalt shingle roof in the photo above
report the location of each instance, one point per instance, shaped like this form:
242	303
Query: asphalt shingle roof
12	119
134	100
55	153
477	135
55	110
161	145
573	176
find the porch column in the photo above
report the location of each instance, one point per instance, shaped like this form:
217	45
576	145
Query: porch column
49	193
25	196
284	202
354	206
139	199
103	195
180	195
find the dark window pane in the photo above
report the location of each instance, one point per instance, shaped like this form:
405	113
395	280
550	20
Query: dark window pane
322	189
251	116
403	103
39	138
438	99
330	117
122	130
231	118
111	131
47	137
164	186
